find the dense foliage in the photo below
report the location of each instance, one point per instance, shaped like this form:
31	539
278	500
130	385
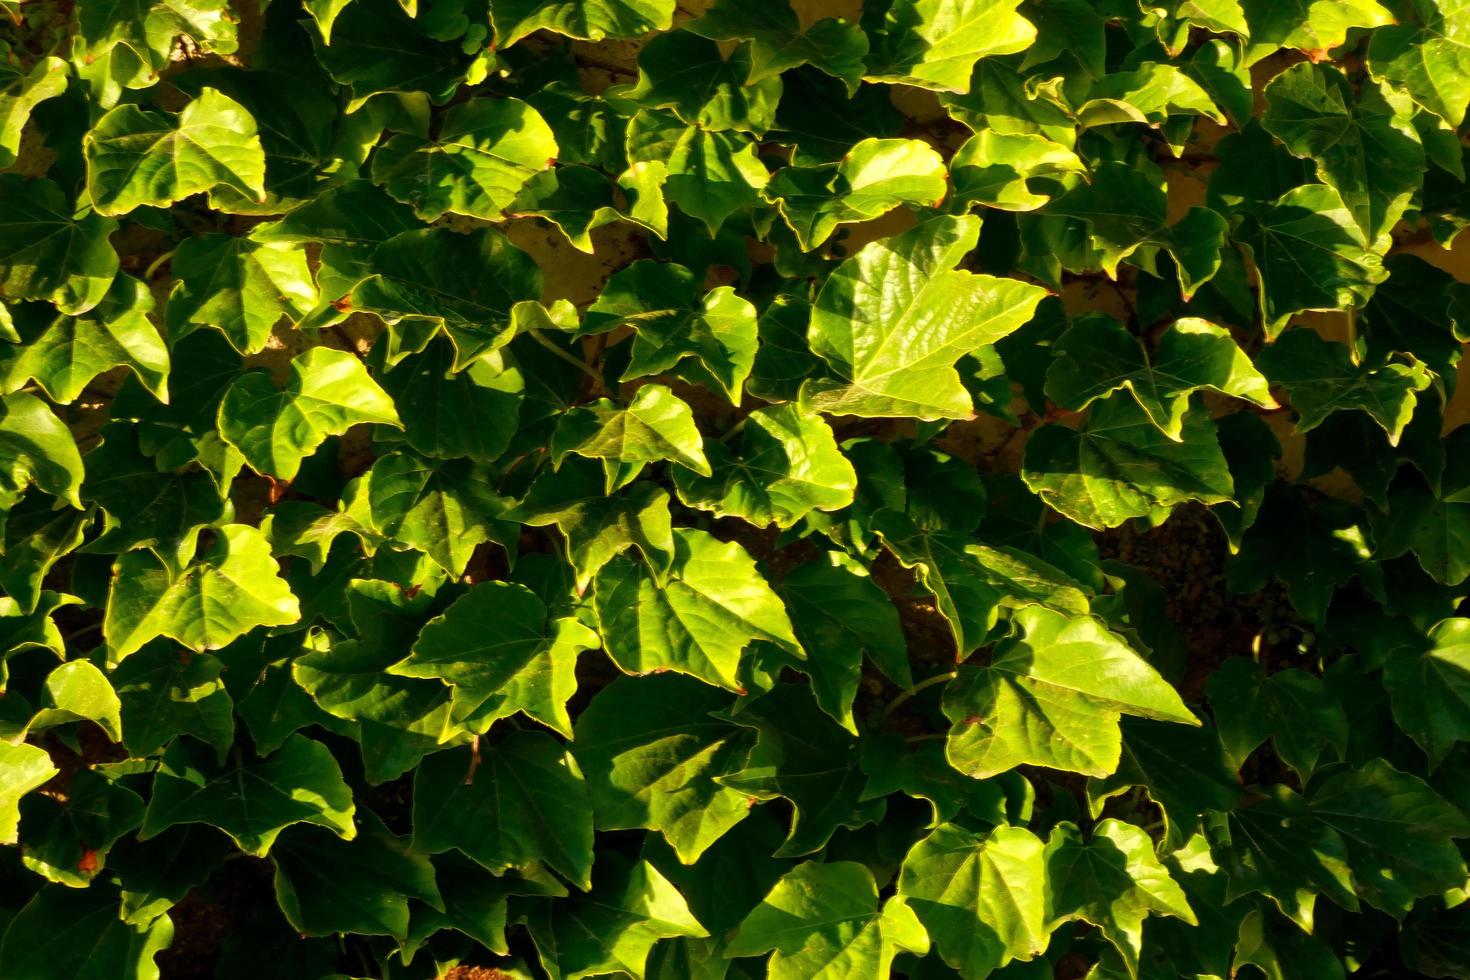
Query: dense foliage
927	488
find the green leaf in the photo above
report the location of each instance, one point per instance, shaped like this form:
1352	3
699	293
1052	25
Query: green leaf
713	603
780	43
1430	689
934	44
1097	356
25	768
786	465
651	748
1148	94
326	885
614	927
240	287
485	152
704	86
1321	377
873	178
655	425
65	354
76	933
50	249
1429	59
1120	465
1310	254
598	526
502	652
447	413
229	590
947	570
891	321
253	801
708	340
327	393
579	200
525	801
1291	707
804	758
138	158
66	841
1306	24
996	169
40	451
590	20
982	897
1399	833
710	175
78	691
446	510
1365	147
1052	696
21	91
463	284
377	47
1112	881
1433	526
165	692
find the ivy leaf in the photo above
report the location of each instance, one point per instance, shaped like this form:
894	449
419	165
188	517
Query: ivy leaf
1321	378
138	158
1306	25
1290	706
1120	465
64	354
51	250
1053	695
1097	356
502	652
326	885
579	200
377	47
891	321
710	176
651	748
1310	254
78	691
449	414
21	91
239	286
525	801
464	284
164	693
1399	833
599	526
1148	94
1312	110
40	451
948	571
1112	881
1430	689
229	590
1433	526
252	801
1428	59
655	425
446	510
66	841
807	759
26	767
824	922
996	169
589	20
485	152
982	897
934	44
709	340
779	43
327	393
713	603
871	179
76	932
703	86
613	928
787	464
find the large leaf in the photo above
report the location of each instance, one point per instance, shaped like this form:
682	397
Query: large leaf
1291	707
20	92
713	603
328	392
1429	59
51	249
26	767
780	42
655	425
704	85
71	932
37	449
139	158
1052	696
892	320
934	44
1430	689
239	286
587	19
823	922
445	510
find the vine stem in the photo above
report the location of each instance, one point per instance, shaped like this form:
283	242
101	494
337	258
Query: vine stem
931	737
923	685
580	365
